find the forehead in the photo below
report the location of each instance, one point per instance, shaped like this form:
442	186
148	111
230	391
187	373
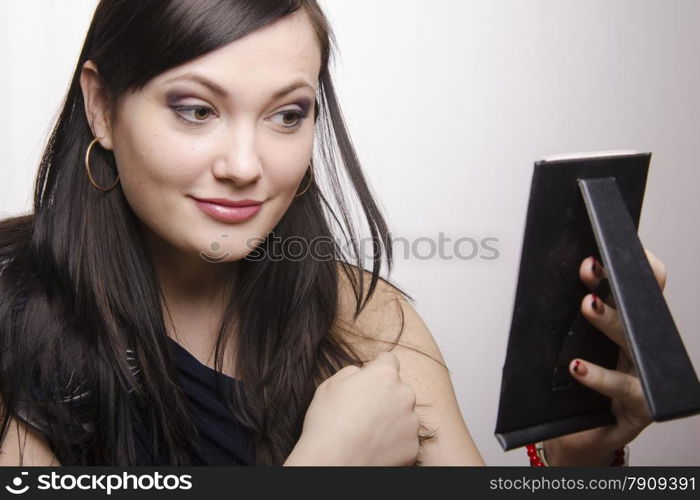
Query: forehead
262	60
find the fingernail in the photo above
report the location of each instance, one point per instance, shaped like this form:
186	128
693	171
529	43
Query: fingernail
580	368
594	303
596	269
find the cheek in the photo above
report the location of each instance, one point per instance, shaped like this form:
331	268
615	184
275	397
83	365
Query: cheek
287	165
154	171
284	179
146	159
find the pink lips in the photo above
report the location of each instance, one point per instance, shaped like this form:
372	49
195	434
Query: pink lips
229	211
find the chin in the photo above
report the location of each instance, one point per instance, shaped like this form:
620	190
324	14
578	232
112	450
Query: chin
224	255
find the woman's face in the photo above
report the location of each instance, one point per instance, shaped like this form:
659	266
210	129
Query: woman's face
229	125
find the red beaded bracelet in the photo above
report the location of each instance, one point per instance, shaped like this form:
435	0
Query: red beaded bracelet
537	459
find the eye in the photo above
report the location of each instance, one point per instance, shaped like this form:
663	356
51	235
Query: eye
193	114
292	118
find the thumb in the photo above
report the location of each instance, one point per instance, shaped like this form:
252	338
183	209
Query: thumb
345	372
611	383
385	358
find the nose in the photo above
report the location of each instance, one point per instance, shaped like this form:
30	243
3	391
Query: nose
238	160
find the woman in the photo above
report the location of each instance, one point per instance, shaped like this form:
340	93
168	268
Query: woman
146	319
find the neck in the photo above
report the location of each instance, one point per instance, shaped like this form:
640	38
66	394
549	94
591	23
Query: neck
195	291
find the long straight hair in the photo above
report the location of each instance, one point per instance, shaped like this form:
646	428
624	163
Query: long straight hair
82	335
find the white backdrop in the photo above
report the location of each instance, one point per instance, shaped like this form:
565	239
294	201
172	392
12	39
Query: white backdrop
448	107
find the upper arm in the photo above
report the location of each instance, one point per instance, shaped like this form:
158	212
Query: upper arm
25	446
422	367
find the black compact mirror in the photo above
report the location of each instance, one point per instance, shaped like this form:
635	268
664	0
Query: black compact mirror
583	205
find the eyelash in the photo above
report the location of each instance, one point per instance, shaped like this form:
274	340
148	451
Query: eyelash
300	114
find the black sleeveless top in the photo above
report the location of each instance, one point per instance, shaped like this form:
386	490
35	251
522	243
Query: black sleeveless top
222	441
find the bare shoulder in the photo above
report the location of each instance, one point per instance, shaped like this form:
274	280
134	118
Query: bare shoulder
389	322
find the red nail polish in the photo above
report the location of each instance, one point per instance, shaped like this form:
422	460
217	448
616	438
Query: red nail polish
594	303
595	268
580	368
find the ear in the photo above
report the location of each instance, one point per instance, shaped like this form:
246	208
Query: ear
97	104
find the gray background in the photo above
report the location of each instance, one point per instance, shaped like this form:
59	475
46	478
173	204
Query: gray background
449	103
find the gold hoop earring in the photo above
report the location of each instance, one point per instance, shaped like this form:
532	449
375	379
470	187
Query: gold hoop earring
87	168
311	180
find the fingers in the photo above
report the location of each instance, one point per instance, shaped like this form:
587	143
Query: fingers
345	372
607	320
628	403
386	367
658	268
604	316
614	384
385	359
625	391
592	271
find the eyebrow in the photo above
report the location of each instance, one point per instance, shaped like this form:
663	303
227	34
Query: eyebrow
217	89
